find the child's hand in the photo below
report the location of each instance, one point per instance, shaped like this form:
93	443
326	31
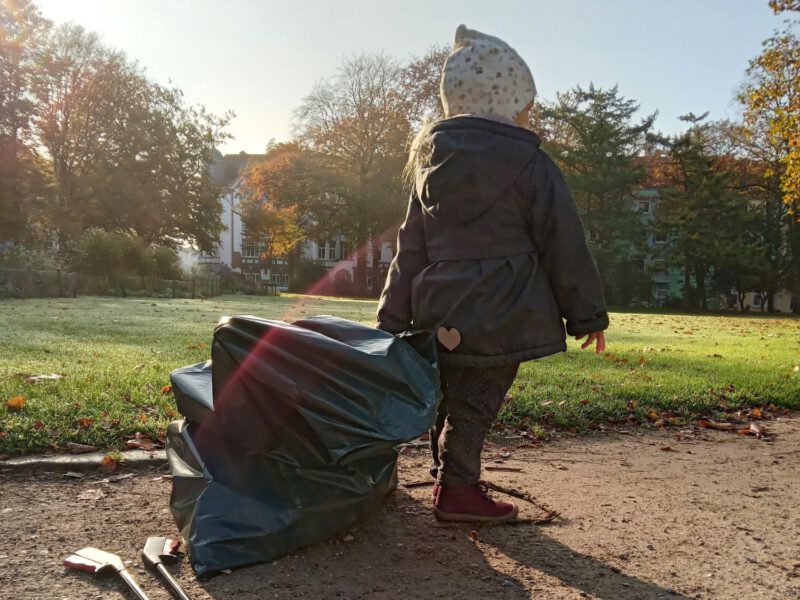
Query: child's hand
597	336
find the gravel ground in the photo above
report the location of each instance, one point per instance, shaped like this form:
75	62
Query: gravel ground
669	514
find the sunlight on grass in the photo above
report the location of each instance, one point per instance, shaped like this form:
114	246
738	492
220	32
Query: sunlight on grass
116	355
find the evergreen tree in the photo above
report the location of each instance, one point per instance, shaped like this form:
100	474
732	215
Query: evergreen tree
595	138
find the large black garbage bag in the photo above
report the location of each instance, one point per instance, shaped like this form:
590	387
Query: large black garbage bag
298	441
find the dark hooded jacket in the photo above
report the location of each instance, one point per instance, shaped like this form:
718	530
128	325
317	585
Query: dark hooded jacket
492	245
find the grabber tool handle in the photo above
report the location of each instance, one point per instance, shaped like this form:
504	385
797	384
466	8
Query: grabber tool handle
131	583
173	584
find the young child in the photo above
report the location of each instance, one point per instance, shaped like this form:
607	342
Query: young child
491	257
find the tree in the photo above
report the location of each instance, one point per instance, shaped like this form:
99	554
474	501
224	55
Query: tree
707	221
358	123
420	81
127	154
779	6
275	230
22	177
771	97
594	137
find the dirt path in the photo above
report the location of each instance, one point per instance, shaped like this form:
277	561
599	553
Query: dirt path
716	516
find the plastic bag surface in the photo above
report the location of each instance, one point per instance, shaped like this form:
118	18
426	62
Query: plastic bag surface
290	433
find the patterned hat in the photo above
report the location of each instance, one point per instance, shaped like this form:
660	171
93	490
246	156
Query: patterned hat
484	76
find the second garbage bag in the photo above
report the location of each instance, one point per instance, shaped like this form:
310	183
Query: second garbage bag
290	433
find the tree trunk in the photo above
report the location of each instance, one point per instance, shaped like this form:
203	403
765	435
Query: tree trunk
687	285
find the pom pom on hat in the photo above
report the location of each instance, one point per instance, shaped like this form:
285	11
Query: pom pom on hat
484	76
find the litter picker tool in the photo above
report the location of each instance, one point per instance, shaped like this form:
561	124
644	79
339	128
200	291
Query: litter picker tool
159	549
100	562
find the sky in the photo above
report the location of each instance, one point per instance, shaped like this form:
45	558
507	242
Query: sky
259	58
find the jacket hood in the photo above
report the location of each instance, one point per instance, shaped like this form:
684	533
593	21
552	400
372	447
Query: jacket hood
473	161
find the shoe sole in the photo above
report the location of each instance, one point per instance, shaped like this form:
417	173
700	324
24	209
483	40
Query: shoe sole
467	518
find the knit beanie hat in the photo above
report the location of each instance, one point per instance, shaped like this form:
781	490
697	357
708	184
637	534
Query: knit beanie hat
484	76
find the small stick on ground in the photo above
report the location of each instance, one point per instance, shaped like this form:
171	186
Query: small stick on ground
416	484
512	469
550	515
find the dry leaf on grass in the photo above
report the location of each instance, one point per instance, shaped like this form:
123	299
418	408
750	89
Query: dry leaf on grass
80	448
16	403
40	378
143	441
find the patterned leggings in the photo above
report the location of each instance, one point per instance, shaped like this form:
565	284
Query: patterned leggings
472	399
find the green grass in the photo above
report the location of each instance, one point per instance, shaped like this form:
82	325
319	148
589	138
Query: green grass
116	354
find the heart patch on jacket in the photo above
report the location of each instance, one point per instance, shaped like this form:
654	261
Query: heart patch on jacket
449	338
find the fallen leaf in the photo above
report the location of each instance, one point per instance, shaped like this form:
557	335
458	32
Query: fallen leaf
80	448
143	442
38	425
641	361
16	403
73	475
117	478
91	494
85	422
755	413
139	367
666	449
652	414
504	453
348	538
166	390
709	424
473	535
584	402
109	463
758	430
546	403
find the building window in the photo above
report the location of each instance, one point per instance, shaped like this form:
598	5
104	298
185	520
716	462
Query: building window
757	300
280	279
343	250
660	237
369	282
644	206
332	250
249	250
251	277
662	291
342	277
321	250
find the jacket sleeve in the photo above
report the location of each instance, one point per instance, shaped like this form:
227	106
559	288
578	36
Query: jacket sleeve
394	307
561	241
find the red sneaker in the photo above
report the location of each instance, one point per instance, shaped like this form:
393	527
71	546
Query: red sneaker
436	488
471	504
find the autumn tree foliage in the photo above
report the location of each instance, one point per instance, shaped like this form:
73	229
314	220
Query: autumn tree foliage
89	142
771	100
357	123
22	172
